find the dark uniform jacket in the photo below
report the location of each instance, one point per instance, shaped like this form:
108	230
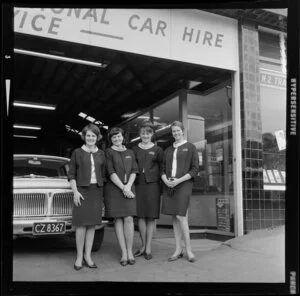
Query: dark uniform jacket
150	162
122	163
80	167
187	161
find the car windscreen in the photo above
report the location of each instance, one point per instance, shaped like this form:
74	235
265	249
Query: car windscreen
36	167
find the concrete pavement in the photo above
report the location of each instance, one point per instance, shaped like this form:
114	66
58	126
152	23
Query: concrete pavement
256	257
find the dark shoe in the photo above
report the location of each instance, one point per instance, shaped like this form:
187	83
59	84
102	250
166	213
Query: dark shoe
89	266
131	261
148	256
174	258
139	253
123	262
76	267
192	260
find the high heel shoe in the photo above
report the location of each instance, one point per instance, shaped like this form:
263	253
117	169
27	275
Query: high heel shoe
89	266
174	258
139	253
123	262
76	267
147	256
131	261
191	259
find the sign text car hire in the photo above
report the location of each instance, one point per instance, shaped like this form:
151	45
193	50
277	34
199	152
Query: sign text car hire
178	34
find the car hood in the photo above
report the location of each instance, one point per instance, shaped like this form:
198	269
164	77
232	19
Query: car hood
40	183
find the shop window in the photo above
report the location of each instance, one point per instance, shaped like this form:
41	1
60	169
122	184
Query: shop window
163	116
210	130
131	129
273	105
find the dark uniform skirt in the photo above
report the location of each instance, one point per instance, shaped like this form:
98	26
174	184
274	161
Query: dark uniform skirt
147	198
116	204
177	203
90	210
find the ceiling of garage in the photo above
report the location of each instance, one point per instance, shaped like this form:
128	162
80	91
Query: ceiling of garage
128	83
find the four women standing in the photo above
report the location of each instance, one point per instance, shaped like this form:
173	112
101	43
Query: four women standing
144	165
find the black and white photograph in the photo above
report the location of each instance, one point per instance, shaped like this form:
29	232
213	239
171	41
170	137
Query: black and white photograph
150	149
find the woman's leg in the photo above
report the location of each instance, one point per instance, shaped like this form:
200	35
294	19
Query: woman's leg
119	230
80	237
149	234
129	232
177	235
142	229
183	222
89	239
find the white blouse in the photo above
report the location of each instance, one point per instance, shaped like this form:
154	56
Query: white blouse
174	162
93	174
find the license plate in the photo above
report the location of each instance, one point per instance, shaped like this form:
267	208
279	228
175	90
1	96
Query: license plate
49	228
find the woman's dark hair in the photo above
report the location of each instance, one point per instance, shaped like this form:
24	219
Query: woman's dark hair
148	126
94	129
177	123
115	131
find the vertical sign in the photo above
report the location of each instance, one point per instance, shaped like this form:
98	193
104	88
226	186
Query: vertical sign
223	214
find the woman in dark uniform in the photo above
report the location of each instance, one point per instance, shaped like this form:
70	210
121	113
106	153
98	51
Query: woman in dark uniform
86	176
180	167
119	191
149	158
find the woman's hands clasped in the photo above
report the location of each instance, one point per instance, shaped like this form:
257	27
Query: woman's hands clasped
127	191
76	198
173	182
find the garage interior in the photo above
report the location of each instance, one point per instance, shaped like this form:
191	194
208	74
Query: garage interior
125	83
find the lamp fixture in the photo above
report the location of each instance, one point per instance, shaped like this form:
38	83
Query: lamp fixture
25	126
92	119
34	105
23	136
135	139
59	58
163	128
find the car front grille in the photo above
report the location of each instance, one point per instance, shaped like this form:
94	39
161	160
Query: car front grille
29	204
62	203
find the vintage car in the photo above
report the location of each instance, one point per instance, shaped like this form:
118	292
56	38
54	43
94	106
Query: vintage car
43	199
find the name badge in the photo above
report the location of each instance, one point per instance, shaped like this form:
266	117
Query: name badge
128	156
152	153
185	149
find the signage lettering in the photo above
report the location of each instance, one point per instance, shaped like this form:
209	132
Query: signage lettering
272	79
160	26
179	33
208	37
293	107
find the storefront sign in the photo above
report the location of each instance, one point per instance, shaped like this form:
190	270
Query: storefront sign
272	79
280	138
178	34
223	214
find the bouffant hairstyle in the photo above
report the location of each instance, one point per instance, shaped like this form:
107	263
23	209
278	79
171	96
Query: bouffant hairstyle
147	126
93	128
115	131
177	123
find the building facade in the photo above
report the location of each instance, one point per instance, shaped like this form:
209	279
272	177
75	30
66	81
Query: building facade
232	100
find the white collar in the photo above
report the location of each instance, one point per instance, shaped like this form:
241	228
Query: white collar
145	147
85	148
181	143
122	148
